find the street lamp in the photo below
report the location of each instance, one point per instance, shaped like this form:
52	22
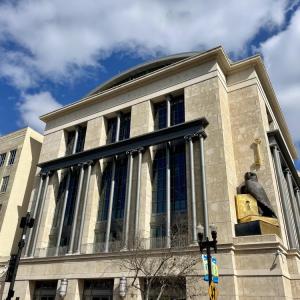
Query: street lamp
62	290
205	243
123	287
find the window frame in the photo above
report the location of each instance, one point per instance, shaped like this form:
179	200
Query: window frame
12	157
2	159
4	184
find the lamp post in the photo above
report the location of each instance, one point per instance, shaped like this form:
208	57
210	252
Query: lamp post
205	243
26	222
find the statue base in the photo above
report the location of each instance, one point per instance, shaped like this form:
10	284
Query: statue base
256	227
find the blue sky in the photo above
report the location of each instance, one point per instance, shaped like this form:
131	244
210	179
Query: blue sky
54	52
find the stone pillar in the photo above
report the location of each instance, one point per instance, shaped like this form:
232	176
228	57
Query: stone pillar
207	99
95	137
39	214
141	123
34	212
249	120
73	290
54	146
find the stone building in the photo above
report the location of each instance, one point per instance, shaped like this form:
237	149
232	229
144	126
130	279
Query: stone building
19	154
143	156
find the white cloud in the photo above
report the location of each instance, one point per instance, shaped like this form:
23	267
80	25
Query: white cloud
34	105
57	38
281	55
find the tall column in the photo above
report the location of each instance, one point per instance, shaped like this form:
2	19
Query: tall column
75	215
34	213
128	199
138	193
112	188
284	200
292	206
110	205
168	179
61	221
39	214
193	193
202	137
87	184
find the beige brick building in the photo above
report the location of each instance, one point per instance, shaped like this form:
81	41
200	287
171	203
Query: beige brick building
19	154
131	160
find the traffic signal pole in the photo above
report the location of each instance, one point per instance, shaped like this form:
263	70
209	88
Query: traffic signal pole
26	222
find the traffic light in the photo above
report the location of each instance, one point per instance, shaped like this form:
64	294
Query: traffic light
11	268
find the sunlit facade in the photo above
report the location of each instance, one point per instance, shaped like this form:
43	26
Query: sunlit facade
123	167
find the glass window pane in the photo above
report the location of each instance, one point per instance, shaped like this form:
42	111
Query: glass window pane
4	184
177	110
12	156
2	159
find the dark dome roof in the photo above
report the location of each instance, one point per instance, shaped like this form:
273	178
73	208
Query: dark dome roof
141	70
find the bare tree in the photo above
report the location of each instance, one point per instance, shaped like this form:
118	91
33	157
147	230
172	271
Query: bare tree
157	272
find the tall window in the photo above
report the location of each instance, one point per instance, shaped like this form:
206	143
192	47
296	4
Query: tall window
176	113
178	177
12	157
4	184
119	190
81	138
71	139
159	182
2	159
69	213
178	192
124	130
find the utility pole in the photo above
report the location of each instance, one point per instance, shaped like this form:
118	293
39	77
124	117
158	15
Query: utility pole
26	222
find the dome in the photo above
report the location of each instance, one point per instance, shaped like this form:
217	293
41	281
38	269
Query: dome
141	70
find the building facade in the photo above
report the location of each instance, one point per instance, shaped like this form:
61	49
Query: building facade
19	154
147	157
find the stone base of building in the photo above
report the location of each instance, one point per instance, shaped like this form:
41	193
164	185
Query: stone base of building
251	267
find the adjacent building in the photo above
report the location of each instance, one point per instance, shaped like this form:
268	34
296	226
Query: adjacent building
143	160
19	154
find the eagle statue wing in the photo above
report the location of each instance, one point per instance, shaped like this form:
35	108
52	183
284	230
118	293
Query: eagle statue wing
256	190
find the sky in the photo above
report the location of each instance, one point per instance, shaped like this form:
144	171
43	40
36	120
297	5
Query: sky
54	52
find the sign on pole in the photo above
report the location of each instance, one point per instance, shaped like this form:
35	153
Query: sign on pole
214	269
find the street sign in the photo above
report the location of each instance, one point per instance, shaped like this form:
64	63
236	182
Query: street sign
212	291
214	269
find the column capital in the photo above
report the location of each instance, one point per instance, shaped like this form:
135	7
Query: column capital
200	134
168	97
134	151
44	174
88	163
274	146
